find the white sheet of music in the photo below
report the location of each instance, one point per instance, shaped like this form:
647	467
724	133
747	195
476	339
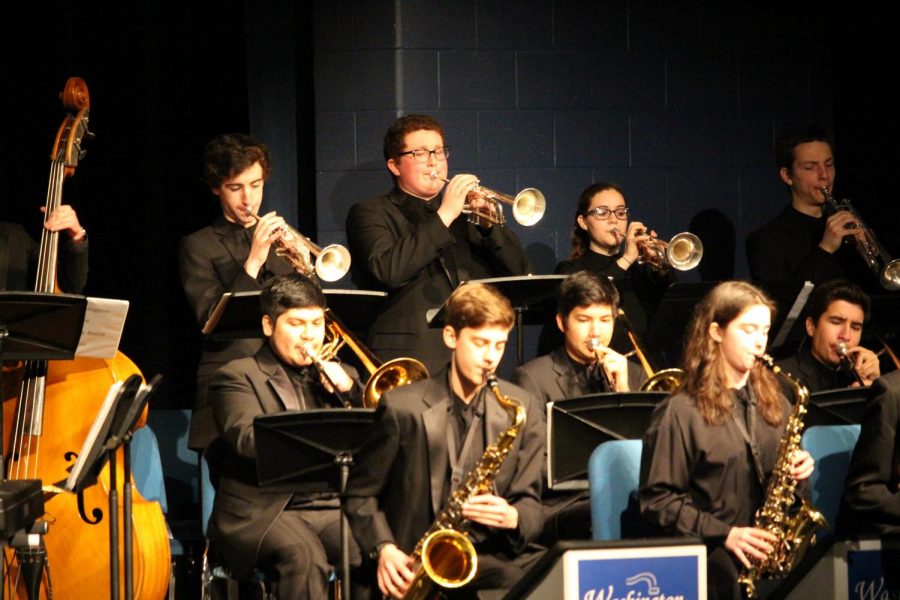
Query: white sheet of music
104	320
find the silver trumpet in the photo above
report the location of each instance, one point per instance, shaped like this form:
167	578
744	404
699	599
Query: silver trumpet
332	261
887	269
682	253
528	206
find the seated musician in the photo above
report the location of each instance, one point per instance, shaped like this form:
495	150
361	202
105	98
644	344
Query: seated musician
832	357
604	242
296	536
428	438
711	447
871	502
586	315
18	263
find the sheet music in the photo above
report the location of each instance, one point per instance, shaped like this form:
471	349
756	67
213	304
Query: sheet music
793	314
101	422
104	320
216	313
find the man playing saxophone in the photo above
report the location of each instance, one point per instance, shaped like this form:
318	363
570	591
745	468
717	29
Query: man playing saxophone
711	447
428	437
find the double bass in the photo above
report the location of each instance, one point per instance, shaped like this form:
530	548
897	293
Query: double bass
45	427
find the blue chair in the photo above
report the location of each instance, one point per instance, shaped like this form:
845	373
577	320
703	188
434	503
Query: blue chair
613	473
831	446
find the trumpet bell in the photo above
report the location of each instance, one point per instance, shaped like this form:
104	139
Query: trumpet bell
529	206
391	374
890	275
333	262
684	251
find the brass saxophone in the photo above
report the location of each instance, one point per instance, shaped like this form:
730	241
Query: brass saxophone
445	557
791	518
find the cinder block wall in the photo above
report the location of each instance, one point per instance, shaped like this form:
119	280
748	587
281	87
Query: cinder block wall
677	102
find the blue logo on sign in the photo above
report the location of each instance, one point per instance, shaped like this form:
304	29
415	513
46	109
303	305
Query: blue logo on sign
659	578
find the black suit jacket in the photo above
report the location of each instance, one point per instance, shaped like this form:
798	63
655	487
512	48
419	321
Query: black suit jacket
552	377
394	492
240	391
401	247
210	263
872	491
19	257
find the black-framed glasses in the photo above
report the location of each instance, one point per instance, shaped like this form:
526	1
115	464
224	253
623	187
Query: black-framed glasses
602	213
422	155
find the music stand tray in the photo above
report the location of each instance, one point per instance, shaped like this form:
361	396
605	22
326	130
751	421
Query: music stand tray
40	326
576	426
237	314
838	407
533	298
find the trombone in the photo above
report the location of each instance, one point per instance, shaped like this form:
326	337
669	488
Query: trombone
332	261
683	252
666	380
383	377
872	252
528	206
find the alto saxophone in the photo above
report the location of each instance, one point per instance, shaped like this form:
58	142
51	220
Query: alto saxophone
789	517
445	556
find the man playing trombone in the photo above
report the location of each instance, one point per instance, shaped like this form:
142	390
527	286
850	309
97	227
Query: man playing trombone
230	255
416	244
833	357
296	536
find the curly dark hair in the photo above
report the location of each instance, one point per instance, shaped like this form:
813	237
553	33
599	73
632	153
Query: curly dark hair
230	154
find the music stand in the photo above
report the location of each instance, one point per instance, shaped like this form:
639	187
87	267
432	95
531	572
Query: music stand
788	329
576	426
237	314
838	407
533	298
297	452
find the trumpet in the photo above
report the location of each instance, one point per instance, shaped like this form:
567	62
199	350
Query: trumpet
317	363
383	377
682	253
870	249
332	262
528	206
847	363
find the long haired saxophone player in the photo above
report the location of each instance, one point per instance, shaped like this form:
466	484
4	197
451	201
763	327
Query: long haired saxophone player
428	436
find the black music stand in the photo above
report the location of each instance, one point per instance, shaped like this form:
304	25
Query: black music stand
237	314
838	407
35	326
311	451
788	328
533	298
38	326
576	426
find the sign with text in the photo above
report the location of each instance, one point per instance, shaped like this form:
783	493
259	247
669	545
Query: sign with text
648	573
872	574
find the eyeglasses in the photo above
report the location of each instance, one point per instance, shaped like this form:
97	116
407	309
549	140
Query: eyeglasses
602	213
422	155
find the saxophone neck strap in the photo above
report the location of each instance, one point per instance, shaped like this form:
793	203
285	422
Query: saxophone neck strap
745	398
458	458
